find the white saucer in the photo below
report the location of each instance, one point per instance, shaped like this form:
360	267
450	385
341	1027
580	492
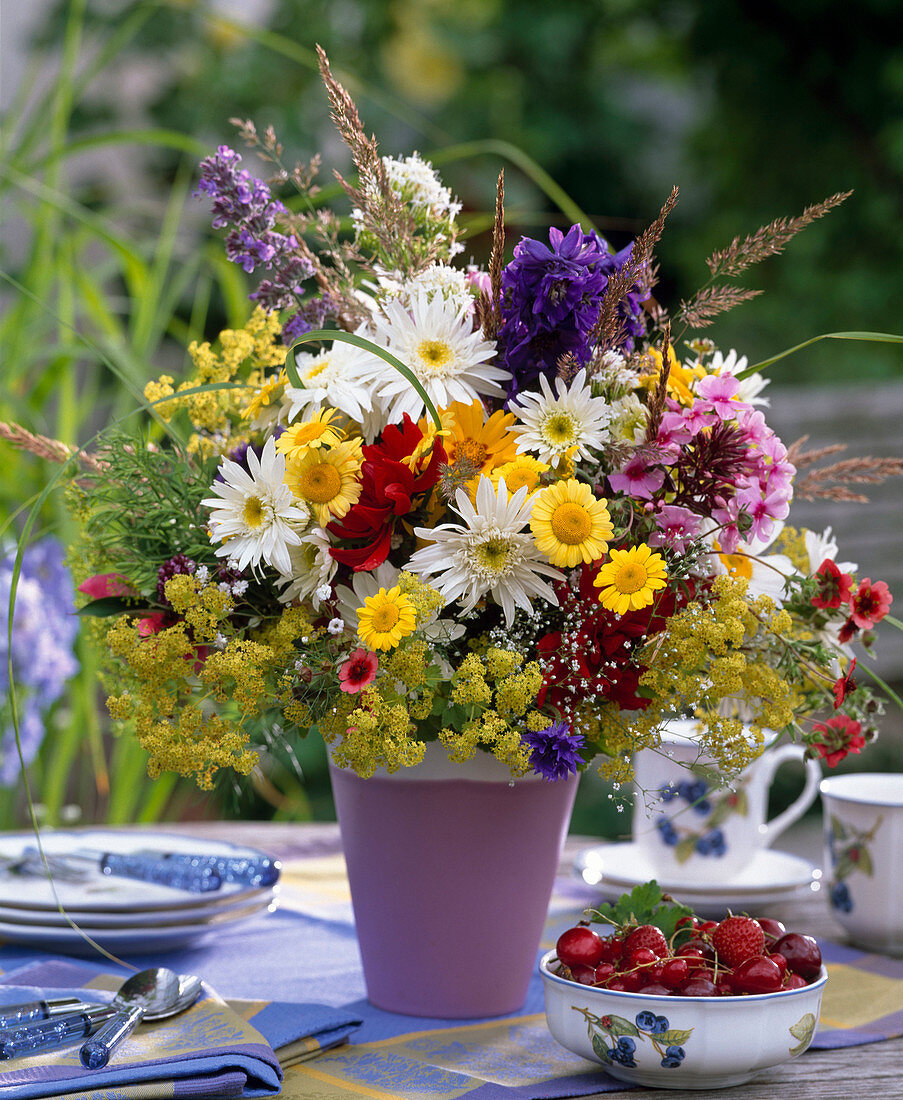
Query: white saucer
772	876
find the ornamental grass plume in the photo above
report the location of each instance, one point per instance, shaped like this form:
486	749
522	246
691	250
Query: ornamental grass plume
523	511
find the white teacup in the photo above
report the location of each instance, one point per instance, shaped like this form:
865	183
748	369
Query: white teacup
864	857
694	832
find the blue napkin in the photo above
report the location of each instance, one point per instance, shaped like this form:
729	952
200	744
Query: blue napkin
216	1049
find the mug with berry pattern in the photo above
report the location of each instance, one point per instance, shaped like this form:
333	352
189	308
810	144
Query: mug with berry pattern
694	829
863	856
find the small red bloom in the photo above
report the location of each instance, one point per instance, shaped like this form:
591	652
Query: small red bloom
847	632
871	603
358	671
107	584
834	588
844	685
840	736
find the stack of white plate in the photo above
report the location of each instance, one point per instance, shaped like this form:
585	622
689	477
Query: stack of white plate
772	877
123	915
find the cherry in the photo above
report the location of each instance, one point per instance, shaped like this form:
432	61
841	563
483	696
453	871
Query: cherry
723	986
699	987
641	956
794	981
655	989
704	946
688	922
758	974
675	972
632	980
694	957
579	946
617	984
612	949
802	954
777	957
773	929
585	975
707	926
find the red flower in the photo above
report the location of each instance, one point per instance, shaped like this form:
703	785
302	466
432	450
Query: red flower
390	490
844	685
599	650
841	735
847	632
871	603
834	588
358	671
107	584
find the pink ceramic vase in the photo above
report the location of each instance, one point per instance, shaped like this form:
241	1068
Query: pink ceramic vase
451	869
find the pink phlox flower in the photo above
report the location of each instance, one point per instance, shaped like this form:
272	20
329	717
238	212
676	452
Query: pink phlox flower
675	430
717	392
107	584
638	478
871	602
763	509
728	529
358	671
676	527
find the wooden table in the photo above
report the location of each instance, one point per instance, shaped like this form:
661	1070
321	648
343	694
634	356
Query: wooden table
873	1072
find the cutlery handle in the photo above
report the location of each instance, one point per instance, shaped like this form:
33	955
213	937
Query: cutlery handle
248	870
196	880
31	1038
95	1053
13	1016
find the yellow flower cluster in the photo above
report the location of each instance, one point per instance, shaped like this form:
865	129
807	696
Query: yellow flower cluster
369	732
425	599
253	348
204	606
718	656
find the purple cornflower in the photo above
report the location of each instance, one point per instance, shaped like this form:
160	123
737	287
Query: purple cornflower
555	750
246	204
551	296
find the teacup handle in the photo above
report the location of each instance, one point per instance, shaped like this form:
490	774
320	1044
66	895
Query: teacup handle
771	830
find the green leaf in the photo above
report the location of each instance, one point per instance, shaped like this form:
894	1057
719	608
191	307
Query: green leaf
873	337
675	1037
845	867
864	863
803	1030
645	904
620	1025
105	606
600	1048
838	828
685	848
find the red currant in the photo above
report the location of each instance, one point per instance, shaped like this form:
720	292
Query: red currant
675	972
579	946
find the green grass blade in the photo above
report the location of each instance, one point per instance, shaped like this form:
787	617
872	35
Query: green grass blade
874	337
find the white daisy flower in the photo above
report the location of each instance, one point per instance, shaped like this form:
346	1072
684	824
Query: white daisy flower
550	426
254	513
822	546
437	342
312	570
751	387
333	379
490	553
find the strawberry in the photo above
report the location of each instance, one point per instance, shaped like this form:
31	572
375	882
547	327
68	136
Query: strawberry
737	939
646	936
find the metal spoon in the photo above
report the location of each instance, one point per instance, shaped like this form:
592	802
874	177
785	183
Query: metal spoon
150	991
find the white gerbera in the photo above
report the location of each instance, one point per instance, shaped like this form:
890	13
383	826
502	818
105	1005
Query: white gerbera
490	553
312	569
436	340
333	378
822	546
254	513
551	426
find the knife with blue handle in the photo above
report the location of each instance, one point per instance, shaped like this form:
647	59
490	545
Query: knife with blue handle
34	1037
248	870
136	865
12	1016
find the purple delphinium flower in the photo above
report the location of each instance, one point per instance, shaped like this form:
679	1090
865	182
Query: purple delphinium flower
246	204
551	296
44	631
555	750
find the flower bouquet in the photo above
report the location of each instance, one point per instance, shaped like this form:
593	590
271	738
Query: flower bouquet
523	513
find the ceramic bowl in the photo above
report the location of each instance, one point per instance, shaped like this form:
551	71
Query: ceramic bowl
681	1042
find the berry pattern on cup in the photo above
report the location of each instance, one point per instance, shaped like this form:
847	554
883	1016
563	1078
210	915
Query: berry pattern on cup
689	837
614	1037
848	849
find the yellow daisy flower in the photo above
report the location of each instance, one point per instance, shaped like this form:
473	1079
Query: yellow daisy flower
570	524
630	580
385	619
523	470
267	393
468	437
681	380
316	431
327	480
